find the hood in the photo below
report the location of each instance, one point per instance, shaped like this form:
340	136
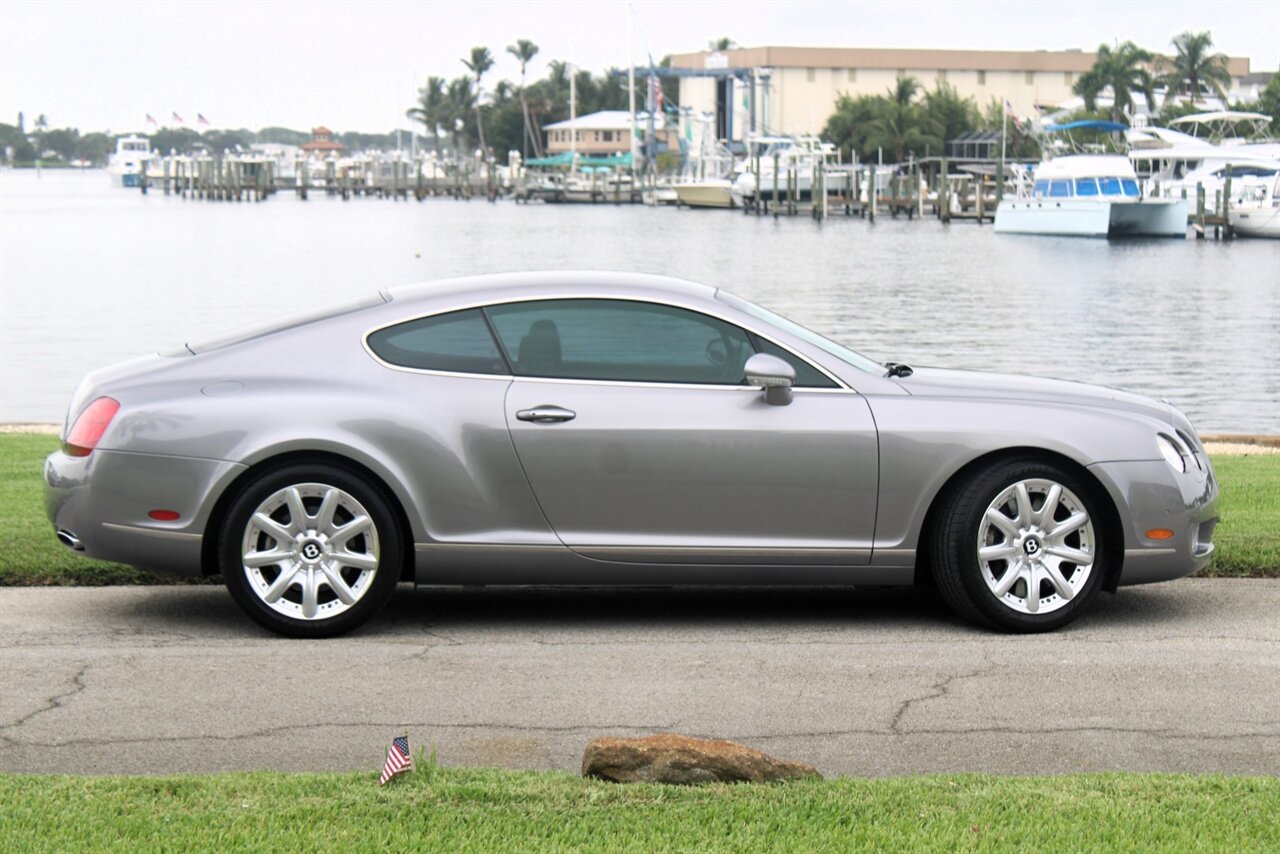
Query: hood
943	382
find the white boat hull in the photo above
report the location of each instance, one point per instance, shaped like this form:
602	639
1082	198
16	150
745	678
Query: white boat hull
1092	218
1255	222
704	194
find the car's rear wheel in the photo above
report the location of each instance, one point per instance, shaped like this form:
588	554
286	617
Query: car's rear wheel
1020	546
311	550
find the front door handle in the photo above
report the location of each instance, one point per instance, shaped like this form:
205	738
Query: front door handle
546	414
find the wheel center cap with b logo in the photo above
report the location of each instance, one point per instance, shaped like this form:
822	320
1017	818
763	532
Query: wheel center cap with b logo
312	551
1031	546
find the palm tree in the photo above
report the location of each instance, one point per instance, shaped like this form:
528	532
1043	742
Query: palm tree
461	100
954	114
1193	65
1123	70
41	125
433	107
902	125
481	61
722	43
525	50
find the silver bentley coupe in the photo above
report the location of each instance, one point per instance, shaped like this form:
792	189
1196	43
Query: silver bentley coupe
604	429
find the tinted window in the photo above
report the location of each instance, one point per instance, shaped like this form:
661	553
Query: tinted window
1060	189
1086	187
1110	186
1130	187
458	342
1042	188
620	340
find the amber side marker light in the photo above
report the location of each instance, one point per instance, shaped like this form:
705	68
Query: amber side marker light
164	515
89	427
1160	534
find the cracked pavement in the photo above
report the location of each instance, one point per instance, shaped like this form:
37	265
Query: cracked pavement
1181	677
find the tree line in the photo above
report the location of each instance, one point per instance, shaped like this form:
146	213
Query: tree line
461	114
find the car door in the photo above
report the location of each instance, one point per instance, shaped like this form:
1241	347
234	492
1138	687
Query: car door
641	441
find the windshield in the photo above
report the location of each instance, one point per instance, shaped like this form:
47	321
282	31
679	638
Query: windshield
841	352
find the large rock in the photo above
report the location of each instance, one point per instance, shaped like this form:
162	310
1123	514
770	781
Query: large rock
683	760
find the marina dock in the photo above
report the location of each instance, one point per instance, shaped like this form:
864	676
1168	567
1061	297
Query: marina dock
927	188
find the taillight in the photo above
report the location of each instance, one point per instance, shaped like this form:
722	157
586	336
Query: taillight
89	427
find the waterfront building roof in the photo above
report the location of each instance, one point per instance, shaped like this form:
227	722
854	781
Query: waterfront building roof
1077	61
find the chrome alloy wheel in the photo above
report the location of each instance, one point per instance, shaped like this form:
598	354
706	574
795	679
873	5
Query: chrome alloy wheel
310	551
1036	546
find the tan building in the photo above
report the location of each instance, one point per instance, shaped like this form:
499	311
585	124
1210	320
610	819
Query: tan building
803	83
602	134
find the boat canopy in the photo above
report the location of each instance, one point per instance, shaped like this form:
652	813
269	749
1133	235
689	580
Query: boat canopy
1088	124
1220	116
1222	124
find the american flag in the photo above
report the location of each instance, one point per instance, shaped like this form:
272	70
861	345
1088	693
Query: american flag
177	118
201	120
398	760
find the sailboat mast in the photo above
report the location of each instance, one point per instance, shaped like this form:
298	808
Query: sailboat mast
631	94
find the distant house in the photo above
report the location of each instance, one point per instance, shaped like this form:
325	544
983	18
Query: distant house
322	142
605	133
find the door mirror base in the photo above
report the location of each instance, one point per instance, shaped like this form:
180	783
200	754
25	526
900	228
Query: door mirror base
778	395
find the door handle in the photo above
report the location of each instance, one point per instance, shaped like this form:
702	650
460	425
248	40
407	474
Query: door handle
546	414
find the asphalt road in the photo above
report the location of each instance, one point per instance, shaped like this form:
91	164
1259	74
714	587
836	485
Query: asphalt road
1175	677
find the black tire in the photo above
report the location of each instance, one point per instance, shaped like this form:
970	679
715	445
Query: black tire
962	577
379	546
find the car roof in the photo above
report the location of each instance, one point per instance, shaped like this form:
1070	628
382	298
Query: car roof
550	283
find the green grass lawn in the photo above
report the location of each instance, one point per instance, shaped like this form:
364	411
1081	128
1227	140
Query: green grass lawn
498	811
1248	538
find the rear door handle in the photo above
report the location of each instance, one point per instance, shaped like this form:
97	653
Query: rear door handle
546	414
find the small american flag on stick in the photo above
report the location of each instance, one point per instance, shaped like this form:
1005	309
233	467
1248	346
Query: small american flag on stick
398	760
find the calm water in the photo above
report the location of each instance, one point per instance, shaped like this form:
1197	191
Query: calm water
90	275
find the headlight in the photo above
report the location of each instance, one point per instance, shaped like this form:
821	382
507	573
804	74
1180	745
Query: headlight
1173	455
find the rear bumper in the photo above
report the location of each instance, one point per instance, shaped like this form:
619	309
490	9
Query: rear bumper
101	503
1151	496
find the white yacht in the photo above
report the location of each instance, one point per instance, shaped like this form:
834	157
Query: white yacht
131	156
1257	211
793	156
1089	195
1172	164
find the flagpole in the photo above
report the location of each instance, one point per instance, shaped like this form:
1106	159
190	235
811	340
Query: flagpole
631	99
1004	128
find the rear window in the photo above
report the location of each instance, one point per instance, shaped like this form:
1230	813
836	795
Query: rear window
457	342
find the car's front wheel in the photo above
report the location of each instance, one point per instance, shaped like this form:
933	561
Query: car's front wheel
1020	546
310	550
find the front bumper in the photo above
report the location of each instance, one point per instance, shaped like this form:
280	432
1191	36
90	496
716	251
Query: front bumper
100	502
1150	495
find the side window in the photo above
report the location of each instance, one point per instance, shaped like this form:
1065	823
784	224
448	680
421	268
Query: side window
595	339
459	342
807	376
1110	186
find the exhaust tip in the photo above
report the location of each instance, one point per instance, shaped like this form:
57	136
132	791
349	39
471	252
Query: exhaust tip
70	540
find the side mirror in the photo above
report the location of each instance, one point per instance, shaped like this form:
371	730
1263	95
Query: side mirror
773	375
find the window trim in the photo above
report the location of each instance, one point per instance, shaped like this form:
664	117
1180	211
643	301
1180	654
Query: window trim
841	387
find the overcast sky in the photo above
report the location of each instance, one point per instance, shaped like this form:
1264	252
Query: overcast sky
356	65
